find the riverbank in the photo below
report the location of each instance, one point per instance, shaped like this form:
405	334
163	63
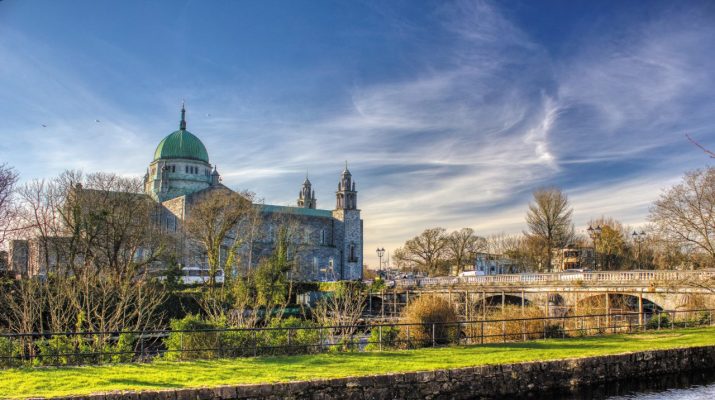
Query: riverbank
164	375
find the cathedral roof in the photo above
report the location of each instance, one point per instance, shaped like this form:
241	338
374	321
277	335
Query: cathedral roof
181	144
308	212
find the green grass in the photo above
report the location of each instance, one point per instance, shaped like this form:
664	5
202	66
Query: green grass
48	382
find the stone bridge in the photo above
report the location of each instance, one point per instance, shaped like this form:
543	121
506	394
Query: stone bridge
556	294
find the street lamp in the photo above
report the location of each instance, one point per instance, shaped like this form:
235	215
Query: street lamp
380	253
595	234
638	238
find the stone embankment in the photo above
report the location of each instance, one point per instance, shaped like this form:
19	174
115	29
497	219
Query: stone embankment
463	383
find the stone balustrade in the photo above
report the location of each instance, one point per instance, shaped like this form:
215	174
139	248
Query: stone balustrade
606	277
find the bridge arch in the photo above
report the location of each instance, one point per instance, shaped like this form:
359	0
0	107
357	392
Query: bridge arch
613	303
494	300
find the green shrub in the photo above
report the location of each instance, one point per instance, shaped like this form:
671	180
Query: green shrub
10	353
660	320
192	345
293	340
122	351
705	318
389	339
240	343
57	350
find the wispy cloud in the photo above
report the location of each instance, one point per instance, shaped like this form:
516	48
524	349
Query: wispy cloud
459	136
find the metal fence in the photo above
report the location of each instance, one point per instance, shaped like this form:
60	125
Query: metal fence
82	348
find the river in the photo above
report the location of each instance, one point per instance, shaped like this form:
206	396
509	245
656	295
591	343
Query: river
682	386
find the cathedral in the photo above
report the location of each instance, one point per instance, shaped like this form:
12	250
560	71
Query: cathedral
330	242
326	245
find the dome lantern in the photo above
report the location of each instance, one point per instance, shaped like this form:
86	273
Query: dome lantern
181	144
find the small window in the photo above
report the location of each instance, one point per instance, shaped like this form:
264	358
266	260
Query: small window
186	169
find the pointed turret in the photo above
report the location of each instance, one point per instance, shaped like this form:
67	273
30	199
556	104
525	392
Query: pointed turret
215	177
346	196
306	196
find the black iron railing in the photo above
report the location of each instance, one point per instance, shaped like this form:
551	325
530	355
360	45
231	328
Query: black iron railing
81	348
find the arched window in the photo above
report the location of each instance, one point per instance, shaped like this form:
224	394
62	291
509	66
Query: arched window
352	253
322	237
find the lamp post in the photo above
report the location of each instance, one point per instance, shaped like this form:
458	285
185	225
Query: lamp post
380	253
638	238
594	234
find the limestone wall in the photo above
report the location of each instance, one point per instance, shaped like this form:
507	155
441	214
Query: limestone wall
462	383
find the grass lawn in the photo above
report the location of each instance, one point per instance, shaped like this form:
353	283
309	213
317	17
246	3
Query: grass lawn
47	382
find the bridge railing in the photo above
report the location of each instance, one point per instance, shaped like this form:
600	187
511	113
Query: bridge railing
568	277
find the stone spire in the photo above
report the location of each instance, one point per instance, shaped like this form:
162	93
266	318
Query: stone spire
182	124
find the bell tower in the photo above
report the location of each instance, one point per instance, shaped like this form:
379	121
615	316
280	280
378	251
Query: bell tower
346	196
349	229
306	196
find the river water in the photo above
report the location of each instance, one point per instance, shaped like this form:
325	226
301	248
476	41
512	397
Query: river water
687	385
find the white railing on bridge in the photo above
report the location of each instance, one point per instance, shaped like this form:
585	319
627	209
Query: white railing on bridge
570	277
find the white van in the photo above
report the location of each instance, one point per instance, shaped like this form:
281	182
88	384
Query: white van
193	275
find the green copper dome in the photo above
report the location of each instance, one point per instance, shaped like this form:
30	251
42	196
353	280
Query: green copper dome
181	144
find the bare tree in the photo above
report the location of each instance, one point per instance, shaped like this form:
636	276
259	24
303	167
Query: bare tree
8	180
93	222
426	252
214	222
342	310
611	246
462	245
549	222
685	215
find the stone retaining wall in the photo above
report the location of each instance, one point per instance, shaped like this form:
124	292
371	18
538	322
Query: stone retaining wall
462	383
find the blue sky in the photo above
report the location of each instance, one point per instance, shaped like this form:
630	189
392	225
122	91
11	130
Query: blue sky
449	113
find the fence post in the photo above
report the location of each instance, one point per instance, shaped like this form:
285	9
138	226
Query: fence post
320	338
434	343
659	318
481	333
255	343
380	336
288	332
408	336
181	346
382	305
